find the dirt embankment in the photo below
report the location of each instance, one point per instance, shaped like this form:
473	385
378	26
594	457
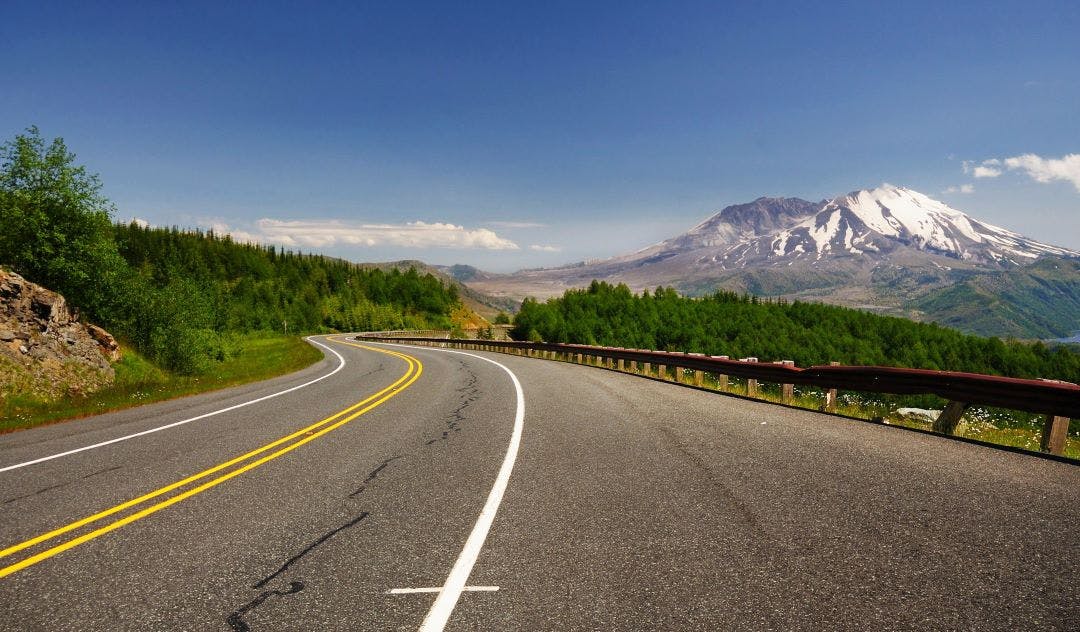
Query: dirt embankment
45	352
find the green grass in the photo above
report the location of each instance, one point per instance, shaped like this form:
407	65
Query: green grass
140	382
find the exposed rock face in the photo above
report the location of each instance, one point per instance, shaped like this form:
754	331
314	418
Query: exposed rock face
45	352
105	341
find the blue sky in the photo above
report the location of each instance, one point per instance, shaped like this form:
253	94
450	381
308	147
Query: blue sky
567	130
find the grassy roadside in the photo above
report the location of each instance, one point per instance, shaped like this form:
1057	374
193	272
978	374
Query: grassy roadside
991	425
140	382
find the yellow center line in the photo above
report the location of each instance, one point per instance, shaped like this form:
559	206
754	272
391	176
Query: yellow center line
415	368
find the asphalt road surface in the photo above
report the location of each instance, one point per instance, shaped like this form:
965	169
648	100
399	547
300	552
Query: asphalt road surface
420	488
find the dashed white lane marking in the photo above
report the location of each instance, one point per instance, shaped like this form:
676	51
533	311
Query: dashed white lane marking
451	590
435	589
341	365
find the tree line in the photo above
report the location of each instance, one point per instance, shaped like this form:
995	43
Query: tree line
739	325
180	297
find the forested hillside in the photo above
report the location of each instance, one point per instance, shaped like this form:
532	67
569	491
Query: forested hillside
214	284
182	297
1039	300
736	325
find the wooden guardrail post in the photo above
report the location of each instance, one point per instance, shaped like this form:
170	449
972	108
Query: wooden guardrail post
661	371
622	364
830	395
579	358
1054	434
787	391
947	421
646	368
751	383
721	378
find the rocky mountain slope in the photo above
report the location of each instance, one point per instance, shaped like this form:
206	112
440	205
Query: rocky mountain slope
890	249
45	352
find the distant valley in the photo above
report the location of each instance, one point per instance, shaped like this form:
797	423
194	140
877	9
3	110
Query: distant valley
890	250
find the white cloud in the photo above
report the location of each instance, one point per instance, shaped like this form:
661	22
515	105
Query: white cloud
242	236
963	188
322	233
987	169
1066	168
1041	169
544	248
140	222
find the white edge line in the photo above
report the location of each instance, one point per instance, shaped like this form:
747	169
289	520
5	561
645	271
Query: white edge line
454	585
340	366
435	589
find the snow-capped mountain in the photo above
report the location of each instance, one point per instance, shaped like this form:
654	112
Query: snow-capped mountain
886	248
881	219
867	224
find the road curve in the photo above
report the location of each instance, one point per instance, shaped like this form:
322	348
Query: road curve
629	504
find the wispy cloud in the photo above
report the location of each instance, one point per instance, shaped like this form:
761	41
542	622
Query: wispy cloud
986	169
963	188
986	172
1066	168
1040	169
544	248
323	233
419	234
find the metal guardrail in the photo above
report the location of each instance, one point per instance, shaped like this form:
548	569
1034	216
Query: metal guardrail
1059	401
401	333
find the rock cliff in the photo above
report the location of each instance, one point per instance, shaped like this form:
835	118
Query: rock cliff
45	352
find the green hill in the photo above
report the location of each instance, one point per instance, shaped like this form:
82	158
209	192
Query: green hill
1041	300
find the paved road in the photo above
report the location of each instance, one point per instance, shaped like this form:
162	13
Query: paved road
632	505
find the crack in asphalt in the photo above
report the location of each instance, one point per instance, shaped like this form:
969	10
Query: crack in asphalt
468	394
725	491
311	547
236	619
373	475
378	368
59	485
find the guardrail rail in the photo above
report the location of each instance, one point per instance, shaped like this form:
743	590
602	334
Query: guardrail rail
1057	401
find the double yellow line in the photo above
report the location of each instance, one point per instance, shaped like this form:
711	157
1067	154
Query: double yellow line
297	439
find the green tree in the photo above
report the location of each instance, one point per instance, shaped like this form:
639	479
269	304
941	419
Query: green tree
56	223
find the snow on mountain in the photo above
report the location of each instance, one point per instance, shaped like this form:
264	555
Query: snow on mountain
883	219
875	246
889	249
870	224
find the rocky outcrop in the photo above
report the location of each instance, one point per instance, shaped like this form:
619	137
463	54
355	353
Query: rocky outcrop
45	352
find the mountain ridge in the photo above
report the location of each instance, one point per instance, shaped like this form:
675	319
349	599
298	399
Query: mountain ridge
886	249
